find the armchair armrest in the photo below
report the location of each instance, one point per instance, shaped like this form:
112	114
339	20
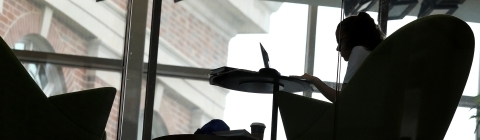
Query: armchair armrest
88	109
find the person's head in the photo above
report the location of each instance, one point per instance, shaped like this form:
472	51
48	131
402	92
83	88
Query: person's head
359	30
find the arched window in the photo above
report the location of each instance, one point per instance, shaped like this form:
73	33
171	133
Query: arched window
48	77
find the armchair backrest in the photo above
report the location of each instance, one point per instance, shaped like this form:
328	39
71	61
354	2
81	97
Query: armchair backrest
14	79
420	72
26	113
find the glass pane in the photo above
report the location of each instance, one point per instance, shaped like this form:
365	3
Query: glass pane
287	37
397	10
19	46
285	44
196	33
204	34
182	106
326	55
75	27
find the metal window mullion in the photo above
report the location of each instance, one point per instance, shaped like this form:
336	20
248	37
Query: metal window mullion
474	103
152	70
107	64
132	70
383	9
310	45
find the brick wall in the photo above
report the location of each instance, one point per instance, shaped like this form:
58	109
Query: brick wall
175	115
15	18
194	38
66	41
112	123
121	3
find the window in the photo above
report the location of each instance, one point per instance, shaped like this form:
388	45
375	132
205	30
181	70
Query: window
48	77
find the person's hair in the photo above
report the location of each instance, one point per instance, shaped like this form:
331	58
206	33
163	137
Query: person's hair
361	30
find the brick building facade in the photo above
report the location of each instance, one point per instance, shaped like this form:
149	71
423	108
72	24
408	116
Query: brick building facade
19	18
198	43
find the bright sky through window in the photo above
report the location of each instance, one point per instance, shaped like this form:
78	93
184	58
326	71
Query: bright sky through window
285	44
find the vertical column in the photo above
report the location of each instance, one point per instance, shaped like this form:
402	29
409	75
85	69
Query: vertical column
94	48
384	7
1	6
310	48
477	134
152	70
477	129
130	98
159	91
46	21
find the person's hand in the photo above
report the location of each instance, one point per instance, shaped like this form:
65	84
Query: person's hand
306	76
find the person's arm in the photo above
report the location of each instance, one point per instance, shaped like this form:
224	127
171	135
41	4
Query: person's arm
327	91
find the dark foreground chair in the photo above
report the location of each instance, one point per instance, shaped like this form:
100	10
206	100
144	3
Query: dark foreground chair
408	88
27	114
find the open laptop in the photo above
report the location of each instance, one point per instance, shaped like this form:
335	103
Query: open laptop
266	61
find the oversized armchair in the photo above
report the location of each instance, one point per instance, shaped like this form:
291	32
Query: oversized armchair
26	113
408	88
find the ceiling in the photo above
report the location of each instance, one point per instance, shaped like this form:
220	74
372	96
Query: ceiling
468	11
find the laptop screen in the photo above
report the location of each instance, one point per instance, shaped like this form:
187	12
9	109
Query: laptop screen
266	62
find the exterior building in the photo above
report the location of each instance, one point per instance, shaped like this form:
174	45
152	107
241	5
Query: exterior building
193	33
